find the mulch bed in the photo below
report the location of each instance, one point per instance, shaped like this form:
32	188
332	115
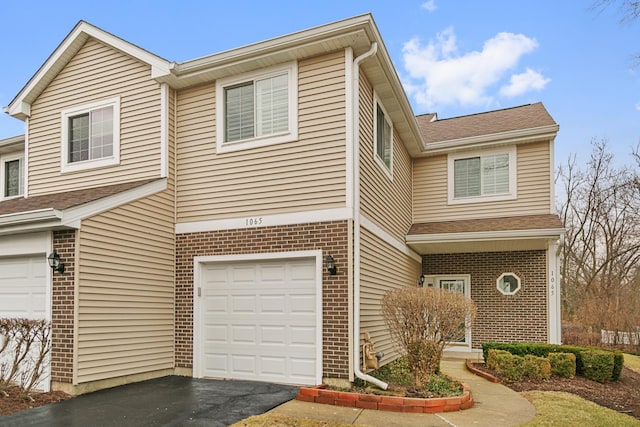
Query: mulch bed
12	401
622	396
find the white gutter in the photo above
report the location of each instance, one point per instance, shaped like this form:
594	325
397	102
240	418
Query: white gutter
356	218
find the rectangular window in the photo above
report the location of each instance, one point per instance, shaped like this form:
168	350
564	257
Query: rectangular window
13	181
90	135
486	176
383	138
258	109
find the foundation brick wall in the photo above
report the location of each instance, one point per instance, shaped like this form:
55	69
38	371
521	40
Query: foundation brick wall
330	237
62	314
510	318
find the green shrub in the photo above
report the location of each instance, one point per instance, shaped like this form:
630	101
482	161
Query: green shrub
598	365
509	366
543	350
536	367
494	358
563	364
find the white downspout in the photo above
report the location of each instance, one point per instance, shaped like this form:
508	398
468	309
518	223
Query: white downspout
356	217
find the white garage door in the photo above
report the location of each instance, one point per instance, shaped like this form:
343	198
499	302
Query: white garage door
23	284
259	321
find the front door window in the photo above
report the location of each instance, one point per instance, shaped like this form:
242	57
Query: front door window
461	285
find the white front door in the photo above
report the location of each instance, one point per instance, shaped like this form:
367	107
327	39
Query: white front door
259	321
459	284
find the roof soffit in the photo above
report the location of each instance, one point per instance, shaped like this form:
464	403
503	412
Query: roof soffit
20	106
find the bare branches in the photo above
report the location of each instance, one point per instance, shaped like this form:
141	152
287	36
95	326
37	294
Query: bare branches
601	250
423	320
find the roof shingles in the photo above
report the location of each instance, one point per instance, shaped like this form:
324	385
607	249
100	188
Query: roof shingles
516	223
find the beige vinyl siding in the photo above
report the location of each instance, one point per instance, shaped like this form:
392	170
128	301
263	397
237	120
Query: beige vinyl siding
382	268
307	174
384	201
534	186
126	290
95	73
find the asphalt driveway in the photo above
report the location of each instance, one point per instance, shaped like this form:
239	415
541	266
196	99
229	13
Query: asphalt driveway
168	401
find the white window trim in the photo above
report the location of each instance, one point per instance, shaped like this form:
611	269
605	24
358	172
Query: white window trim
512	292
291	69
387	170
513	173
65	165
9	158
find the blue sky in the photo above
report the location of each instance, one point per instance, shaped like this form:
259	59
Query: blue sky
454	57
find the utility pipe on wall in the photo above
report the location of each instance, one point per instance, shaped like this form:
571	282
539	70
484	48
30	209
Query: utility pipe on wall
356	217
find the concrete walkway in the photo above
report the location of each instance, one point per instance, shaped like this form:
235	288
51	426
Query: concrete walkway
495	406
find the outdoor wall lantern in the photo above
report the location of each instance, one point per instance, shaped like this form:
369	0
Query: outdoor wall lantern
54	262
331	265
421	281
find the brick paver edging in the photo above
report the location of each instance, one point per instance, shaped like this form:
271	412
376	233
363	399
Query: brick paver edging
487	376
321	394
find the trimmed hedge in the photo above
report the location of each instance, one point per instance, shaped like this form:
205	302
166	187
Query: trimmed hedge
563	364
543	350
536	367
598	365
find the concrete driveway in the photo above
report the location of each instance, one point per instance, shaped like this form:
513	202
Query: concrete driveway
168	401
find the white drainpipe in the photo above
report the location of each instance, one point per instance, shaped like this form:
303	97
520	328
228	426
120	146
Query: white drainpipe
356	218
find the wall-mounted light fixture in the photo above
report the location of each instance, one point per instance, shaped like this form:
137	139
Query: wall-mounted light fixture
331	265
421	281
54	262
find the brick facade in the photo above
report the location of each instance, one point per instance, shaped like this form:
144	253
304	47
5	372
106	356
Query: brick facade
62	295
330	237
510	318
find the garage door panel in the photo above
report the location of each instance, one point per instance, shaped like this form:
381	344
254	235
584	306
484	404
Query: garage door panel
260	320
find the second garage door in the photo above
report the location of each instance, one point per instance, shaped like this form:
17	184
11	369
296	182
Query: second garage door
259	321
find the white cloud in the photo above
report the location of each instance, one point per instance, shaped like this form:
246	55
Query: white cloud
429	5
437	74
523	83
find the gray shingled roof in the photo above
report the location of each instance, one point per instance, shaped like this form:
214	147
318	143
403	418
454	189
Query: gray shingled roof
516	223
66	200
492	122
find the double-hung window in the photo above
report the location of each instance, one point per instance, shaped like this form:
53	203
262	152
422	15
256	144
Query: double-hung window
12	176
482	177
90	135
383	138
257	109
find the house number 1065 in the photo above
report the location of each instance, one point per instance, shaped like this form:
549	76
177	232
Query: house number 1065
255	221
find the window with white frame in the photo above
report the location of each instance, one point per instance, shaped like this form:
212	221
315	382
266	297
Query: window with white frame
257	109
91	135
12	172
482	176
508	283
383	138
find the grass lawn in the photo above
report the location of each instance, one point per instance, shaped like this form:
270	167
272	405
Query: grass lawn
556	408
632	362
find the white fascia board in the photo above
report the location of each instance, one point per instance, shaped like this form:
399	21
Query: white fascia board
491	140
388	238
20	107
548	233
73	216
31	216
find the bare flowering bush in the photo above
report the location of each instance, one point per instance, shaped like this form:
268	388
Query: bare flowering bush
24	346
422	321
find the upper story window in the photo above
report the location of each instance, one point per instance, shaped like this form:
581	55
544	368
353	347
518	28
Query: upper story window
12	176
257	109
91	135
487	176
383	138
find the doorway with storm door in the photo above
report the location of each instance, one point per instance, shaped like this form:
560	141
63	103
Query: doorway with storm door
459	284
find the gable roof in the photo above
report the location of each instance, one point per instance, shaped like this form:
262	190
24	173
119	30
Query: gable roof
509	125
20	106
66	209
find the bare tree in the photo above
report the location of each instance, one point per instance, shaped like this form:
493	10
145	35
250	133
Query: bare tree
601	249
628	9
422	321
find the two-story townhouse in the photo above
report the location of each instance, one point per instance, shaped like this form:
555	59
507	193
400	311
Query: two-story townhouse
241	215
